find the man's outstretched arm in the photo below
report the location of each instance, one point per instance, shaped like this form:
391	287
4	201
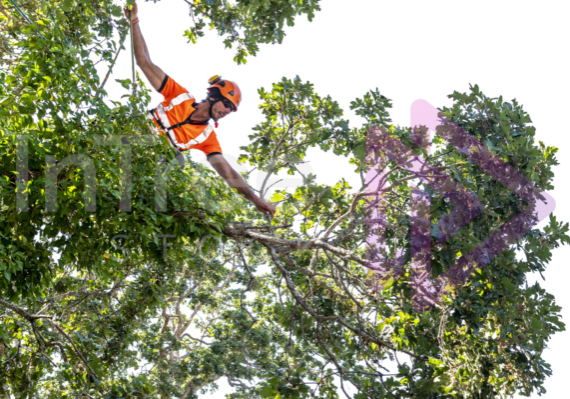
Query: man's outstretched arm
235	180
153	73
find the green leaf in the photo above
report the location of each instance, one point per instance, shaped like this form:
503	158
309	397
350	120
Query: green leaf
508	284
126	83
537	323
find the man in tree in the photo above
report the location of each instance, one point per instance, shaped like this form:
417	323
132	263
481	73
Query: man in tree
185	122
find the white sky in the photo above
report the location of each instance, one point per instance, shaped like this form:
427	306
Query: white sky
408	49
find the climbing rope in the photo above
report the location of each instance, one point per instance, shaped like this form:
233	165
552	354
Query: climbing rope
41	34
100	89
133	54
26	17
31	23
58	27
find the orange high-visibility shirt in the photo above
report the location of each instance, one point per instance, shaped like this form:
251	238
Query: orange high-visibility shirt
177	107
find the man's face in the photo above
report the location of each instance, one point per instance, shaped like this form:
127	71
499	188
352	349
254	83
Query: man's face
219	110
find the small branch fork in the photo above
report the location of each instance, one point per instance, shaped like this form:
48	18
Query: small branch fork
33	318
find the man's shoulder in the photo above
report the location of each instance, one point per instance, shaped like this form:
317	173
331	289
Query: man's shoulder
170	86
163	84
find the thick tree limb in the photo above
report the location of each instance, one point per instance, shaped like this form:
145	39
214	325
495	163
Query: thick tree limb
18	310
294	245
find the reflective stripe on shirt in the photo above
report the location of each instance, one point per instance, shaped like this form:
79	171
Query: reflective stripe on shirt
178	100
200	139
162	116
161	109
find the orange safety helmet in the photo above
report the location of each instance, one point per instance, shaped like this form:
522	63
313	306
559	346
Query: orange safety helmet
228	89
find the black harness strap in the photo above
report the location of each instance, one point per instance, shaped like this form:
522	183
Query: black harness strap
156	118
188	121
